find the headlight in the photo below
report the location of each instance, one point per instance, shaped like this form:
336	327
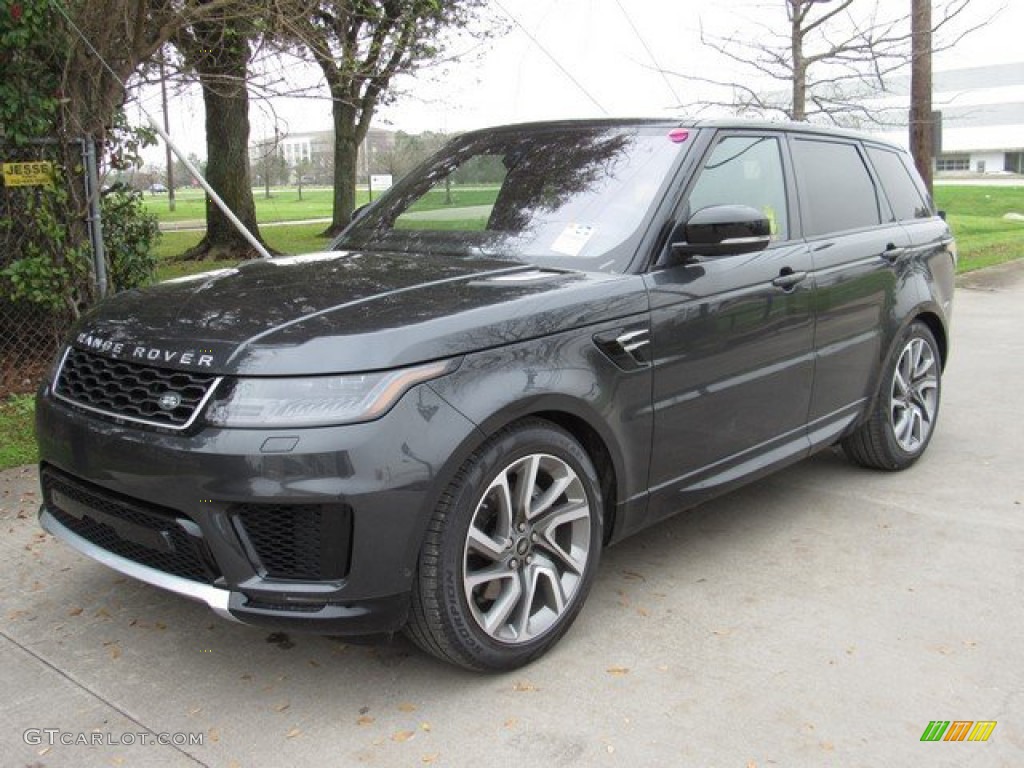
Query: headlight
317	401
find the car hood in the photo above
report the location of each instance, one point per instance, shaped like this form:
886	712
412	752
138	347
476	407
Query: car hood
345	312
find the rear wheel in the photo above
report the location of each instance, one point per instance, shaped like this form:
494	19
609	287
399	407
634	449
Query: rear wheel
904	416
511	551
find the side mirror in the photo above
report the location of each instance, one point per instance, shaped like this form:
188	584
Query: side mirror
723	230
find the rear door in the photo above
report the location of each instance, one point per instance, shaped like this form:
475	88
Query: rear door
931	242
731	336
855	247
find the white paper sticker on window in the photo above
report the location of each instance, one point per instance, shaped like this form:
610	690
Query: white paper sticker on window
572	239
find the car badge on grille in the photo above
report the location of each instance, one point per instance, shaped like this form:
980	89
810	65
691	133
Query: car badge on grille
169	401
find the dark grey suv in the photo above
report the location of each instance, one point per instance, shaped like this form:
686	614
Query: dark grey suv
544	339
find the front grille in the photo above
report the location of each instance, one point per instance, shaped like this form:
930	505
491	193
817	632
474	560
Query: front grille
144	533
297	541
132	391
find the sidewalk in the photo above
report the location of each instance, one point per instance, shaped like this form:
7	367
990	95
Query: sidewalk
199	225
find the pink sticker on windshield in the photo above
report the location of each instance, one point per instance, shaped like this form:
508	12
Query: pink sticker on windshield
678	135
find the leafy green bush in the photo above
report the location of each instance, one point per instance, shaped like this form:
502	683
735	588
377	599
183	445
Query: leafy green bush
129	236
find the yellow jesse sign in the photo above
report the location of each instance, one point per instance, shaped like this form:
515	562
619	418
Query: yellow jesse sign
37	173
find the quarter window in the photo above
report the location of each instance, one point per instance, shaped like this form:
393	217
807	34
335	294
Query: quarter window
837	190
899	186
745	170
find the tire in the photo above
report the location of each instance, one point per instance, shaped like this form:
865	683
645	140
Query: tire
501	577
905	411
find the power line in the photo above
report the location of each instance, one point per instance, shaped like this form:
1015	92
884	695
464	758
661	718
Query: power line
555	61
650	53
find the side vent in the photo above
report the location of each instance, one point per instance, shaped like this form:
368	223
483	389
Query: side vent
626	347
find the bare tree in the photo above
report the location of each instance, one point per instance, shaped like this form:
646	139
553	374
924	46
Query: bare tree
831	58
361	45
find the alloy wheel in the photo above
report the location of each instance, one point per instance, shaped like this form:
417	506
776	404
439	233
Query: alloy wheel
527	548
914	401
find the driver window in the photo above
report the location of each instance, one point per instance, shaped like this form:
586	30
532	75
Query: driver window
745	170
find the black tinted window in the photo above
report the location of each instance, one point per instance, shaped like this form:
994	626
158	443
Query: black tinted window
899	186
838	193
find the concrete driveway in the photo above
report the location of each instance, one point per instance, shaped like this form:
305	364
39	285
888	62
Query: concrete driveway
824	616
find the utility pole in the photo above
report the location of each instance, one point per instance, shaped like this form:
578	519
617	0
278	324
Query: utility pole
167	128
922	129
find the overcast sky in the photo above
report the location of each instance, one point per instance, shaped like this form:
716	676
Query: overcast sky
581	58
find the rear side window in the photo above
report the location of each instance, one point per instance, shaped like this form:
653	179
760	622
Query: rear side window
898	185
838	193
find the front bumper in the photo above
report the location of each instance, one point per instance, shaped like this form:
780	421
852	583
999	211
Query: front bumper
366	617
223	516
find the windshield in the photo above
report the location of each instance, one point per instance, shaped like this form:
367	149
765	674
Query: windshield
573	197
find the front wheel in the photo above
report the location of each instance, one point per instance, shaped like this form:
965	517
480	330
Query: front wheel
903	420
510	552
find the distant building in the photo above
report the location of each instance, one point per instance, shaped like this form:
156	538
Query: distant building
982	108
982	118
310	155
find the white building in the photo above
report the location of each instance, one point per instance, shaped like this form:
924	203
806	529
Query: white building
982	108
982	118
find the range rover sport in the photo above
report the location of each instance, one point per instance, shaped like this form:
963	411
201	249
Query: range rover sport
542	340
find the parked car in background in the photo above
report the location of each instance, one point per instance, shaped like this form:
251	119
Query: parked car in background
543	340
157	189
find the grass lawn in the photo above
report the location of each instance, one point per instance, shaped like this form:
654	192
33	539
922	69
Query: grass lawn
17	435
284	203
984	238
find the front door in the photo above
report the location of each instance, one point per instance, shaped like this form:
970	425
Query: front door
731	339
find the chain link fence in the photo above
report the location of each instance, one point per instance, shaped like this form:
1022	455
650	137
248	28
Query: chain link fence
30	332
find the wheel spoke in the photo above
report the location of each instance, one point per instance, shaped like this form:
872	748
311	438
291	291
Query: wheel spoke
916	426
899	384
902	426
488	574
548	530
525	483
551	495
506	506
521	621
502	608
485	545
544	568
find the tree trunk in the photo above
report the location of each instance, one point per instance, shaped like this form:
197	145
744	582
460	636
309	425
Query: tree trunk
922	137
799	110
222	70
346	152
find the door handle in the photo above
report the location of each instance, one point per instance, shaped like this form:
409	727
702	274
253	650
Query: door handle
788	279
893	252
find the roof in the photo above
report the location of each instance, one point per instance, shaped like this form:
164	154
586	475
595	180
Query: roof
668	123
